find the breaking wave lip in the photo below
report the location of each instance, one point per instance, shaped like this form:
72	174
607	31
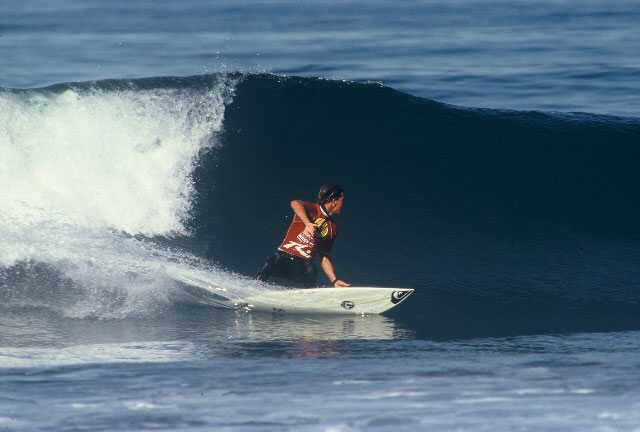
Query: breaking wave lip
93	172
89	155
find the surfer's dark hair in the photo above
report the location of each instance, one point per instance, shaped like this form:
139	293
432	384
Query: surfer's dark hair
329	192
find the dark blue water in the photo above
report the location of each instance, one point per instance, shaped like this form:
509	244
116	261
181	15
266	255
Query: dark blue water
490	157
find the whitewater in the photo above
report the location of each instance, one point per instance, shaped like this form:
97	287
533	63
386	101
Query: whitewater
81	195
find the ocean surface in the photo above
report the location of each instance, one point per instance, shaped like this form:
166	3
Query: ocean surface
490	153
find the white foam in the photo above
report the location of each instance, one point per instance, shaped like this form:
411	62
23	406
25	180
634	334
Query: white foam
148	352
119	159
482	400
537	391
610	415
143	405
83	171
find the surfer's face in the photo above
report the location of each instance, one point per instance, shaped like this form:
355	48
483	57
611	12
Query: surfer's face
337	204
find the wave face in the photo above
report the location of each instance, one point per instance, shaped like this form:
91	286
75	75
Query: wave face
506	222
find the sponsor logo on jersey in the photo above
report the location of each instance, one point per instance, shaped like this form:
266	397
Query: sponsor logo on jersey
307	239
323	226
303	249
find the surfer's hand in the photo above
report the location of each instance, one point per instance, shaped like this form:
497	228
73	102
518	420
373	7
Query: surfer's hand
310	228
340	283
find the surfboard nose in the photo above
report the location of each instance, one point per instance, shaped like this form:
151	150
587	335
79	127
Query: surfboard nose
400	295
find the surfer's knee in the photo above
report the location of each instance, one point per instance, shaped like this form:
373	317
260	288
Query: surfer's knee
266	269
310	275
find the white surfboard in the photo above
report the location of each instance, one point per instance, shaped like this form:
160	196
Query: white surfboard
349	300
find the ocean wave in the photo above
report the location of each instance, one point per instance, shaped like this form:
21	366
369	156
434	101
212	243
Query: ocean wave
512	221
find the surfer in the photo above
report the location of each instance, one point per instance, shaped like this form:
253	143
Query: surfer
312	230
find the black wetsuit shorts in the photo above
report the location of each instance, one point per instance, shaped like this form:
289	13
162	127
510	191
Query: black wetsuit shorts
298	270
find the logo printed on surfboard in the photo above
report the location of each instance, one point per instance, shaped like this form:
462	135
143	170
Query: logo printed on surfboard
397	296
348	304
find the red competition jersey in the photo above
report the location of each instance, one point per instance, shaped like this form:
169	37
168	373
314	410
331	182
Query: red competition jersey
300	244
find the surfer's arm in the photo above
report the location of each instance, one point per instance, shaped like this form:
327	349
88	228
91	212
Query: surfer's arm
299	210
327	266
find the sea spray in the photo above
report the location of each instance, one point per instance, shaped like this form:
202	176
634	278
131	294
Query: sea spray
90	174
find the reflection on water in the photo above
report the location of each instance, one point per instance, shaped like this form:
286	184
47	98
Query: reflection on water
36	337
263	326
35	327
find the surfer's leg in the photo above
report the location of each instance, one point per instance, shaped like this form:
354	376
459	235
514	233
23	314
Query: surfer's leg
280	265
269	268
307	274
